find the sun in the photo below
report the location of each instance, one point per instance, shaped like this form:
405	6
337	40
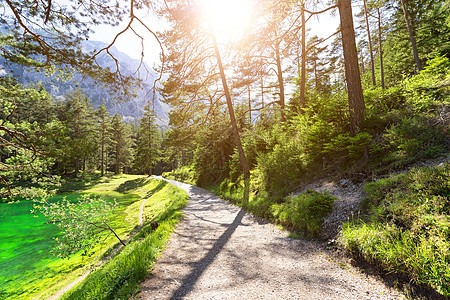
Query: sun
228	19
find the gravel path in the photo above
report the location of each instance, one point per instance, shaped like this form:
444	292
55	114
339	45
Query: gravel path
141	209
220	252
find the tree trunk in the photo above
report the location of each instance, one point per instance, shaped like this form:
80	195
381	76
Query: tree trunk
303	75
262	91
117	159
103	151
237	138
77	167
411	37
299	63
352	75
106	162
316	78
150	141
380	42
372	64
249	105
280	78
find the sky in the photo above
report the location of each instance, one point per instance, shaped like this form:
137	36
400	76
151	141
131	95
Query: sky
129	43
322	26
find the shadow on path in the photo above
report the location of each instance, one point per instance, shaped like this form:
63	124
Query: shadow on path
200	267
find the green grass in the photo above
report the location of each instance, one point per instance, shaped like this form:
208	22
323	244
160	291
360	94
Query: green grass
29	271
305	212
119	278
408	228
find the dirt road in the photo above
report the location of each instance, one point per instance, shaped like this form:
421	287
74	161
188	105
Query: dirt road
220	252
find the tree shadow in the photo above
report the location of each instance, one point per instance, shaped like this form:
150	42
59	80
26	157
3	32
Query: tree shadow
130	185
82	183
200	266
157	188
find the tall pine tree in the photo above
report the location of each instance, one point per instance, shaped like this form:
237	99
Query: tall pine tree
149	141
121	143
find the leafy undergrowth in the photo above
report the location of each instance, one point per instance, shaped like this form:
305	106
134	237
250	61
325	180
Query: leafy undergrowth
119	278
408	229
304	213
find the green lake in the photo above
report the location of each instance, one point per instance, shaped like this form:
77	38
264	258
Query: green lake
26	264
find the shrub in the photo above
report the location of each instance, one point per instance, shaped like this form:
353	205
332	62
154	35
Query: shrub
427	89
281	169
305	212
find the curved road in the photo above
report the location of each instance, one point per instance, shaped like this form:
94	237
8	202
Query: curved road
220	252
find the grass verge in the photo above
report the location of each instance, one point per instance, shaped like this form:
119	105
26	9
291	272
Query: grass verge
407	231
119	278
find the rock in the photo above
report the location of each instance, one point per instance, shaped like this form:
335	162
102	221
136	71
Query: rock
154	225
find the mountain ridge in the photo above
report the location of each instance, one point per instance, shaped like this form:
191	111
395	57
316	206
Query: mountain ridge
131	109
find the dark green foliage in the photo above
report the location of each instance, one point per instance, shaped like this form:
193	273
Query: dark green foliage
428	21
77	115
410	126
305	212
212	155
280	169
414	138
316	140
408	230
149	142
22	136
121	144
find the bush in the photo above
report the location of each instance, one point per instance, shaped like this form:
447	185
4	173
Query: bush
305	212
281	169
427	89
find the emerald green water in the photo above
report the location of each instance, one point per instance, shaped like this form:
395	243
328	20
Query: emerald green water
25	243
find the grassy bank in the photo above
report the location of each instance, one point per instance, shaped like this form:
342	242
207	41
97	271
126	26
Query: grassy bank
29	271
407	230
119	278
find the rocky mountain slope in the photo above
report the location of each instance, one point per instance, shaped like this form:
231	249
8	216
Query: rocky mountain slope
131	109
